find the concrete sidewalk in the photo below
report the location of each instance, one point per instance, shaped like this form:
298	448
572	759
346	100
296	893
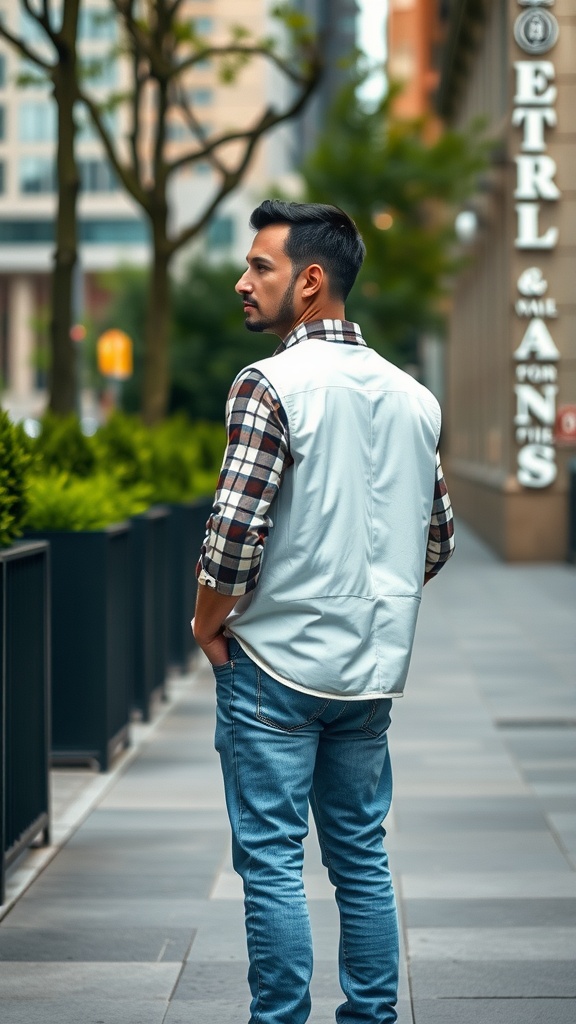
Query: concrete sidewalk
138	919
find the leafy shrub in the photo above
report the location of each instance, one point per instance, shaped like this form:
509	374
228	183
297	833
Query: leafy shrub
124	450
15	461
62	447
79	483
60	501
186	459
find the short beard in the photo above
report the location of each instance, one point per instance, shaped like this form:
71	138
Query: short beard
285	315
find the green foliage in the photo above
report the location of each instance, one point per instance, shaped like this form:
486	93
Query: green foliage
209	343
186	459
62	447
370	164
124	450
60	501
15	461
121	471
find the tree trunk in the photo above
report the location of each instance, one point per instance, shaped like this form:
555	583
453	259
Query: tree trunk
64	371
156	385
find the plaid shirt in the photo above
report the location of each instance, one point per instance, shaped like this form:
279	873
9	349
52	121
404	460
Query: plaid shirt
256	458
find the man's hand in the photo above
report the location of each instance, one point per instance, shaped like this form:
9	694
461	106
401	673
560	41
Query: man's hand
212	609
215	648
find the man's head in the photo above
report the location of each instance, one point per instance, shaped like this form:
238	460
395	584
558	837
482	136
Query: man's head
303	262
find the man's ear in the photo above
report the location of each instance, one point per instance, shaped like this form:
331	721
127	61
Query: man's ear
313	280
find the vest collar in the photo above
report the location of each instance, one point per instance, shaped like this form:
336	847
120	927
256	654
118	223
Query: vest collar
344	331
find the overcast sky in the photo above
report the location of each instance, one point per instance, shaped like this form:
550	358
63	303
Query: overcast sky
372	40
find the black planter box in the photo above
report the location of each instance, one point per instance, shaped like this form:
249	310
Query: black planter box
150	581
186	533
25	699
91	644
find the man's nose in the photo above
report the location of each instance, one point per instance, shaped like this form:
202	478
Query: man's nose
243	285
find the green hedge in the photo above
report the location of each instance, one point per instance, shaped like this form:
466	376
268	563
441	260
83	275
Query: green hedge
15	463
86	483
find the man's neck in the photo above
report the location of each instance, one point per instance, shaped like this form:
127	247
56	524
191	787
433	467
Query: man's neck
326	311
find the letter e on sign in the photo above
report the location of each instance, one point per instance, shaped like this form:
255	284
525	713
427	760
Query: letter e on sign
565	426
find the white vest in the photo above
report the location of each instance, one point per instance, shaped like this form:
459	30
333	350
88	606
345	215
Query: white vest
335	607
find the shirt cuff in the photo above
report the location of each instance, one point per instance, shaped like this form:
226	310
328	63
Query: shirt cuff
206	580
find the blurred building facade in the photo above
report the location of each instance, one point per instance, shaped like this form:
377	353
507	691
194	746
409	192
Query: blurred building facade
415	33
416	30
112	229
336	22
511	399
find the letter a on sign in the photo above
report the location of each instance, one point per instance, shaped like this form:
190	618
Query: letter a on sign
537	342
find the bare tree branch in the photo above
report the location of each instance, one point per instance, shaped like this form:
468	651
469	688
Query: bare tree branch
41	17
24	49
173	8
231	180
127	175
241	50
263	125
197	128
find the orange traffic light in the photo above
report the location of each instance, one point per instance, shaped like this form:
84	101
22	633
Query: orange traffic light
114	350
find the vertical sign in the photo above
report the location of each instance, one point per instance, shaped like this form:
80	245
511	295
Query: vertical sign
536	358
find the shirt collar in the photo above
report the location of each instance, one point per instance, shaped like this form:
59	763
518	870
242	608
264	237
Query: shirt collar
344	331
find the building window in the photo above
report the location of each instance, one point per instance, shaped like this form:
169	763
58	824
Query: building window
347	24
111	231
177	131
37	122
96	23
2	177
220	233
32	31
97	176
31	75
200	97
2	123
18	232
100	73
85	130
37	174
2	71
203	26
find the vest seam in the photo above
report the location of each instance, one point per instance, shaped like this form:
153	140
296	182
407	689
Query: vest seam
357	597
375	639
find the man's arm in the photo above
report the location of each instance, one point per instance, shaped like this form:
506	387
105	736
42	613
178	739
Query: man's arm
256	456
212	609
441	534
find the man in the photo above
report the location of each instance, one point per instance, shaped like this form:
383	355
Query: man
331	512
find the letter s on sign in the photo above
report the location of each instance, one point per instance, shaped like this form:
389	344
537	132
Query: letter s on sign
536	465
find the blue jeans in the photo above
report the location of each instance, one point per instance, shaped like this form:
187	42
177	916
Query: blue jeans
282	750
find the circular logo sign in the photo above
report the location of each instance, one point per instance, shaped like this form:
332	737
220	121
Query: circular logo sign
536	31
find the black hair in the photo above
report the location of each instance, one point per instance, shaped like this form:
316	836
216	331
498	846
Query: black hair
318	234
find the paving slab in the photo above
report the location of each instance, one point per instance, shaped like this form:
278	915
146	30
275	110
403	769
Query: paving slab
75	1009
491	913
85	944
478	944
494	1011
120	982
505	979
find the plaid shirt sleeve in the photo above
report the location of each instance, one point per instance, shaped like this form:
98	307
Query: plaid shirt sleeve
256	457
441	535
